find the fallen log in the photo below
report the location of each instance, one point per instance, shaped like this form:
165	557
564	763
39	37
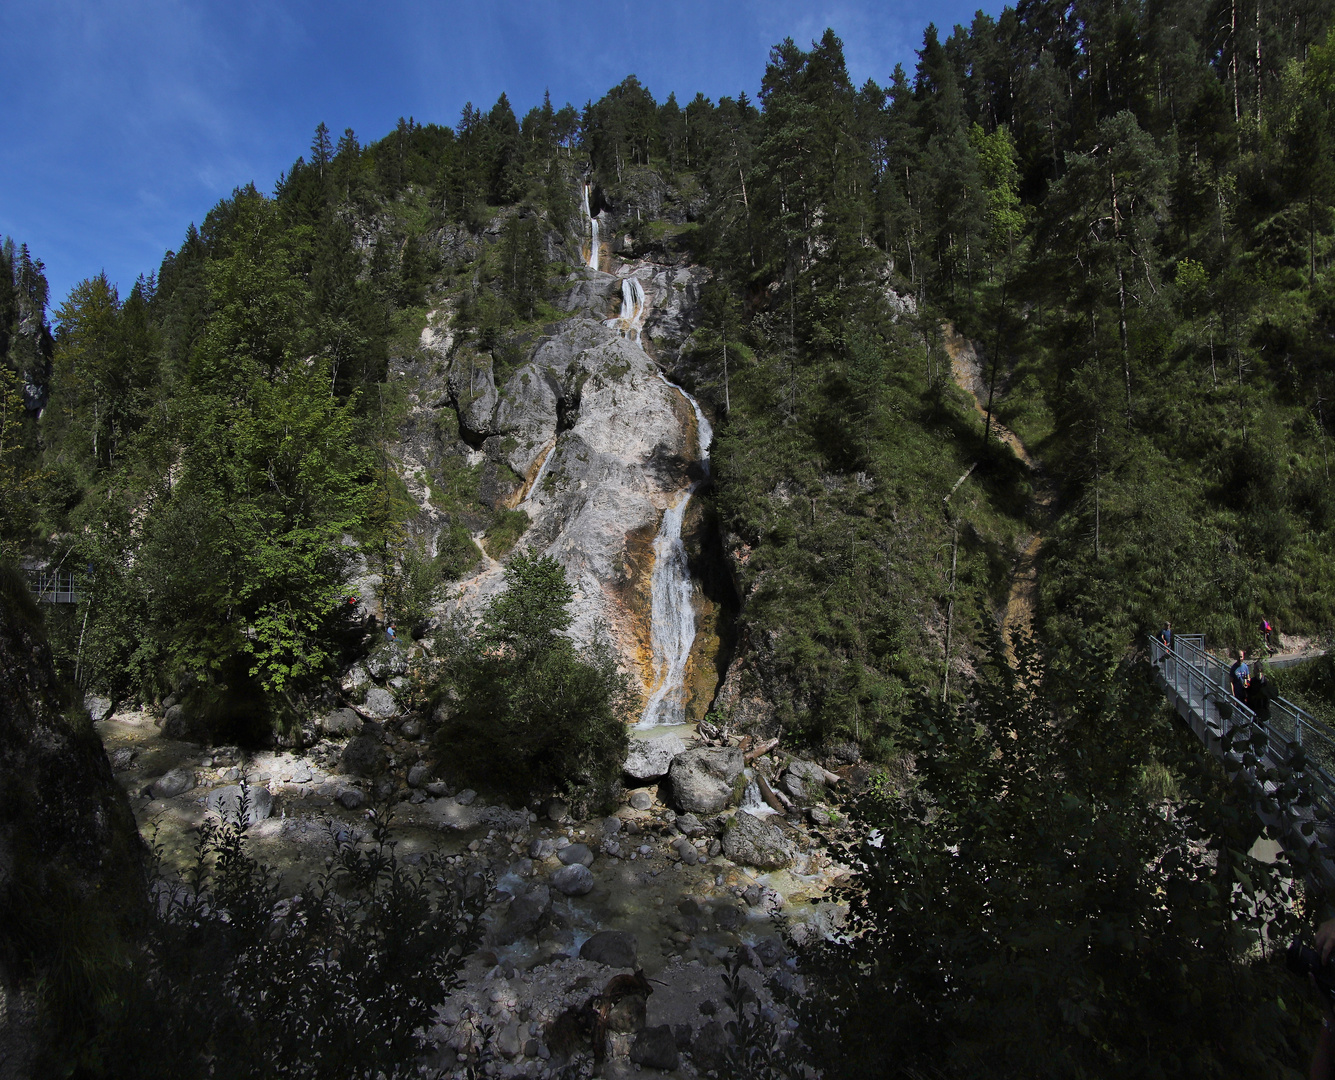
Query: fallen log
770	795
761	750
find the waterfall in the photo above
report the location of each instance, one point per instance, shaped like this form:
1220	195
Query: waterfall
671	616
752	802
534	487
593	226
631	319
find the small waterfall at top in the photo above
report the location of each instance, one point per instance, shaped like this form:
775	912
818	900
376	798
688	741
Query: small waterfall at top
593	228
671	616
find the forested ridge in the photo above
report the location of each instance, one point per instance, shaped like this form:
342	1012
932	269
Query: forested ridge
1126	208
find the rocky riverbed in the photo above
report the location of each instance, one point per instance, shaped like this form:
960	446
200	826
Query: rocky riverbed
678	882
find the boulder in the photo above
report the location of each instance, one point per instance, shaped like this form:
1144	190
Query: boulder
226	803
380	703
615	948
640	800
556	810
418	775
811	774
769	951
540	847
703	780
341	722
174	783
363	756
650	758
576	853
412	728
387	661
99	708
573	880
753	841
655	1048
689	825
351	798
611	826
794	786
439	789
525	916
710	1047
176	724
466	797
355	679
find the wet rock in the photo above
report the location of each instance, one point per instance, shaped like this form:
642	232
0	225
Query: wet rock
363	756
226	803
527	912
703	780
573	880
466	797
522	868
729	917
174	783
649	759
418	775
640	799
99	708
341	722
576	853
753	895
615	948
689	825
656	1048
380	703
753	841
351	798
684	850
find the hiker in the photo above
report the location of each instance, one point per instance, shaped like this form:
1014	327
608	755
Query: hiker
389	632
1266	631
1259	696
1239	677
1166	641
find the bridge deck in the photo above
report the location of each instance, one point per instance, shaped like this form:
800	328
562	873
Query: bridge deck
1291	776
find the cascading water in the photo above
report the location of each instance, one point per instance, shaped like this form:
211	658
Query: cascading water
593	229
631	318
671	616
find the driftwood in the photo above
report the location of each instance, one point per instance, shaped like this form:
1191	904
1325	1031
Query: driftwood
759	751
770	795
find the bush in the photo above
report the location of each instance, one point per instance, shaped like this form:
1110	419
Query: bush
529	714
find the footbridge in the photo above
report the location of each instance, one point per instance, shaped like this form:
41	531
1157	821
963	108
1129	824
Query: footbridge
1286	757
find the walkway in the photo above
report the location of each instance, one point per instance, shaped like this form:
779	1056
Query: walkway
1288	762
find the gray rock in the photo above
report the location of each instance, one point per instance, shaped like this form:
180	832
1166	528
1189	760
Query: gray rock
380	703
540	847
770	951
363	756
793	785
703	780
729	917
811	774
466	797
355	679
300	774
526	914
576	853
846	753
819	816
177	724
341	722
351	798
710	1047
418	775
412	728
689	825
640	800
611	826
573	880
226	803
649	759
685	851
174	783
753	895
387	661
615	948
509	1040
439	789
753	841
123	758
556	810
682	1033
655	1048
612	848
99	708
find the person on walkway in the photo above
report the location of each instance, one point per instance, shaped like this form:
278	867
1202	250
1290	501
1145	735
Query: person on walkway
1166	641
1266	631
1239	677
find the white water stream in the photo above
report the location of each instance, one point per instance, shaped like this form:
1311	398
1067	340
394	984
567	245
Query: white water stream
593	226
671	615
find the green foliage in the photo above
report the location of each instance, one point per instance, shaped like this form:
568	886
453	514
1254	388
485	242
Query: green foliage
232	979
1024	909
527	713
506	527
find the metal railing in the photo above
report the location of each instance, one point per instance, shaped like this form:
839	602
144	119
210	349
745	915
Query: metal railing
55	586
1295	743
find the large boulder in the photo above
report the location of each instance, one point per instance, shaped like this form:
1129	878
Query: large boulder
704	781
226	803
655	1048
176	782
99	708
341	722
649	759
525	916
615	948
363	756
380	703
387	661
576	853
753	841
573	880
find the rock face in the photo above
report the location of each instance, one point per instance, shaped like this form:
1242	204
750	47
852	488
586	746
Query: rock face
704	781
650	758
71	860
753	841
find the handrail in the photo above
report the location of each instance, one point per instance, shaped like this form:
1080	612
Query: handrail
1199	683
54	586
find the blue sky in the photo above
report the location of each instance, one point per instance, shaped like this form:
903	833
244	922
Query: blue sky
121	122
